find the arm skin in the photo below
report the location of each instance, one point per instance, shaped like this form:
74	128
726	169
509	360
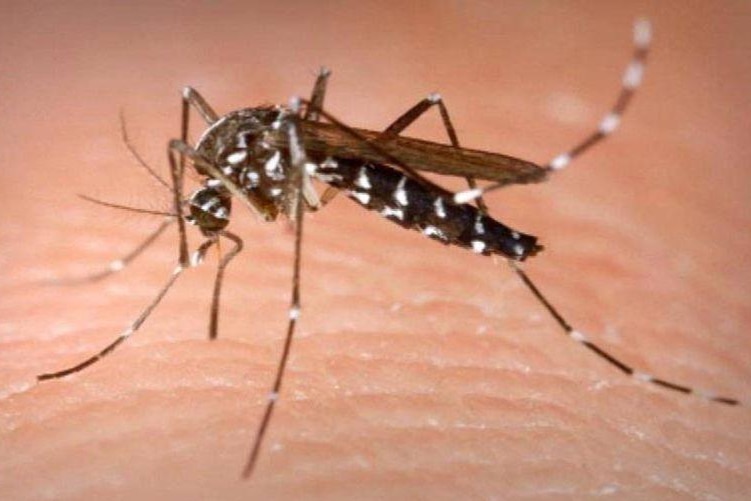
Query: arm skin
419	371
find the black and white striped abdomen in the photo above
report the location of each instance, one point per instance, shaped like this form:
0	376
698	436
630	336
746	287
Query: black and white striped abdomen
415	206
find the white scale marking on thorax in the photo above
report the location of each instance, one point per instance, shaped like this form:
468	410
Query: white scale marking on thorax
272	166
363	198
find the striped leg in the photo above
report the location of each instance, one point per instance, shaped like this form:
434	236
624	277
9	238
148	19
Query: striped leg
612	360
190	98
118	264
214	318
299	161
133	327
631	80
411	115
312	114
176	155
317	96
377	148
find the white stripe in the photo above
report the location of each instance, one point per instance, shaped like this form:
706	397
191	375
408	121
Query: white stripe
311	168
479	227
440	210
400	195
329	163
432	231
561	161
390	211
294	313
633	76
577	336
610	123
642	33
117	265
237	157
467	196
363	198
196	258
272	165
704	394
362	180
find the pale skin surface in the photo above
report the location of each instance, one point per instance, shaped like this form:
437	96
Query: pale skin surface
419	371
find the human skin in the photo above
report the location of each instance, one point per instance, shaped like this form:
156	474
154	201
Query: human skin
418	371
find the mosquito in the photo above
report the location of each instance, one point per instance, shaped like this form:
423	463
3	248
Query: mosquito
267	157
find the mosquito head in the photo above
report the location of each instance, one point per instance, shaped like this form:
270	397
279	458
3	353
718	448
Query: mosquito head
209	209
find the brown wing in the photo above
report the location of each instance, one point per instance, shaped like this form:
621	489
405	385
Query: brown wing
324	139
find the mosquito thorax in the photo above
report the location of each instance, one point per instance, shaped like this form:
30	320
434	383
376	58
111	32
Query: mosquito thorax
239	145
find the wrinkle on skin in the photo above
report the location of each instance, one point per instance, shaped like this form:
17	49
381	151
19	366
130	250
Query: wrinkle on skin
419	371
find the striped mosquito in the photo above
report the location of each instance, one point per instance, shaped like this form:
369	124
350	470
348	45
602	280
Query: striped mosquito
267	157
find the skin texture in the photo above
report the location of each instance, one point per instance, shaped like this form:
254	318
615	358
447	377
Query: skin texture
420	371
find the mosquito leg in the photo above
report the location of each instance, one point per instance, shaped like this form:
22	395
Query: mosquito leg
411	115
125	334
195	260
299	161
118	264
312	114
317	96
377	148
631	80
214	321
191	97
612	360
327	196
177	170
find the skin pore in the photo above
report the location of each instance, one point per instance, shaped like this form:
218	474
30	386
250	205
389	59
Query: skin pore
418	371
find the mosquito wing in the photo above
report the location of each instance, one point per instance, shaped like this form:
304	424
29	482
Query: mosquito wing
324	139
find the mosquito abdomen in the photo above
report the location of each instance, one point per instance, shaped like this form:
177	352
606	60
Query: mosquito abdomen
415	206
